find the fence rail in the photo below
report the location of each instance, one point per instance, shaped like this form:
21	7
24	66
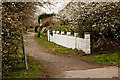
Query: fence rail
71	41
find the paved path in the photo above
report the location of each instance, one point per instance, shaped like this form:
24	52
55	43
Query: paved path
65	67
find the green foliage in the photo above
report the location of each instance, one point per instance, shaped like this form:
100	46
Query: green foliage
103	22
17	70
12	13
61	50
52	46
76	49
101	19
64	26
31	26
103	15
110	59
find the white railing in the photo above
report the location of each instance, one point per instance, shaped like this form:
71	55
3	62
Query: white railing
71	41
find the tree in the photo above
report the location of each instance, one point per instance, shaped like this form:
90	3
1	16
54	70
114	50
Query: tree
101	19
43	16
11	38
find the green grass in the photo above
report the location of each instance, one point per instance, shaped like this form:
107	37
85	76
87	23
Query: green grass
110	59
18	70
52	46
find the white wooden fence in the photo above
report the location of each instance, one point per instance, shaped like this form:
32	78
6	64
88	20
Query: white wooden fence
71	41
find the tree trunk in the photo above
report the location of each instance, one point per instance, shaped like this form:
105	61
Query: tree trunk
39	31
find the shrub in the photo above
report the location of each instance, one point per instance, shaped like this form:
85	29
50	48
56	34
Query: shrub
36	27
101	19
31	26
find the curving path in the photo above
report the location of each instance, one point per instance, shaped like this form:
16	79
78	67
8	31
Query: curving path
60	66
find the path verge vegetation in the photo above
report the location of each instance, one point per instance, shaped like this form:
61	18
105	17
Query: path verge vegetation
109	59
17	70
55	48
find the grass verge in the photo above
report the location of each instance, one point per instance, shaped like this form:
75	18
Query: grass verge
17	68
109	59
53	46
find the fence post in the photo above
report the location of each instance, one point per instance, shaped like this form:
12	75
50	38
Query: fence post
53	32
48	35
68	33
53	37
88	45
75	34
25	58
62	32
57	32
